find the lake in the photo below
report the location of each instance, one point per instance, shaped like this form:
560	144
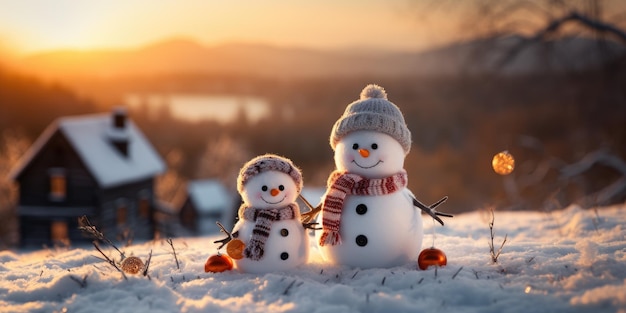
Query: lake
201	107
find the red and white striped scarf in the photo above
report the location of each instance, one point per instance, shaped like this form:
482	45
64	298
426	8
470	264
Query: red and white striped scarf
342	184
263	219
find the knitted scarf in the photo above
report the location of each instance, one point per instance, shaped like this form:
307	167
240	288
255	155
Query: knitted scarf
263	219
342	184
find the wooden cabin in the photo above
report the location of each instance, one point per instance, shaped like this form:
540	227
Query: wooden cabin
208	201
100	166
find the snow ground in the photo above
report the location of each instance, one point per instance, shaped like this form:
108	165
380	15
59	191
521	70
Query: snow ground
572	260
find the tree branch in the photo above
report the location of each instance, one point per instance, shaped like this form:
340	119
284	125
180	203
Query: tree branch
591	159
555	25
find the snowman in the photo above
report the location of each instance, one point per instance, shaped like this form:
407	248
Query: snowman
368	216
269	235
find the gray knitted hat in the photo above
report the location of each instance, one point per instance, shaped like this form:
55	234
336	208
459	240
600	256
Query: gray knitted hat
372	112
265	163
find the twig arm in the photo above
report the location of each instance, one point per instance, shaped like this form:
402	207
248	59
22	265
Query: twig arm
309	216
229	236
431	210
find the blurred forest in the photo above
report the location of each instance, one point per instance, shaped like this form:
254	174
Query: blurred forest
565	128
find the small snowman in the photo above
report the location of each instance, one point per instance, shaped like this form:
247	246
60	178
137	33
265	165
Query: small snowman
269	235
368	216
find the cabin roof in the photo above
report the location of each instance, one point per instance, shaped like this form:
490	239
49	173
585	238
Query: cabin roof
90	136
209	196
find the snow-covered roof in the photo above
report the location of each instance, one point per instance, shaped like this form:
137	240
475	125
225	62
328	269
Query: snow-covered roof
90	136
209	196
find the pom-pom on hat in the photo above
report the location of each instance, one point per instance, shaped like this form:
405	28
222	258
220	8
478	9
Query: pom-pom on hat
372	112
265	163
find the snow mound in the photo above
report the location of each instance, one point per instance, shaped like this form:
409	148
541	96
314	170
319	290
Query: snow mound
572	260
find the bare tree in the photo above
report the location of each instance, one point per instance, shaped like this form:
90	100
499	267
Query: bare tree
503	32
13	145
534	18
611	193
530	22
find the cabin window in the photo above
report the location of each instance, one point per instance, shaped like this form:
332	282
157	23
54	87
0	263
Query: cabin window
188	217
58	184
58	231
122	213
144	204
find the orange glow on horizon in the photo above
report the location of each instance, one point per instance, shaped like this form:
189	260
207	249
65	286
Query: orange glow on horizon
35	26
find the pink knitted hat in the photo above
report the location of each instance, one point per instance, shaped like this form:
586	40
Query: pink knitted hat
268	162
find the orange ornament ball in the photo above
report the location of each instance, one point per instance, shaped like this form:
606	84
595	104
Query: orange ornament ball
503	163
431	256
218	263
132	265
235	248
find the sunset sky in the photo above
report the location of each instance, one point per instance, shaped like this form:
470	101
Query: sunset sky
30	26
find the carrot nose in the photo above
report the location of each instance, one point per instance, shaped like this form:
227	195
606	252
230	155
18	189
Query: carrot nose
274	192
364	153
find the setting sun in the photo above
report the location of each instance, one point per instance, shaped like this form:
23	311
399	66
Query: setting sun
51	25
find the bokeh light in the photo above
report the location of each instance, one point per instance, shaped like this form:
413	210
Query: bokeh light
503	163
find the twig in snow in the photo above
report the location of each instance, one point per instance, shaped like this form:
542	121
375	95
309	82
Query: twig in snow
457	272
82	283
289	287
596	219
494	255
383	282
147	266
530	259
169	240
85	226
106	258
353	276
126	237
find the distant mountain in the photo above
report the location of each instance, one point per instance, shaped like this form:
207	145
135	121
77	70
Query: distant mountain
182	56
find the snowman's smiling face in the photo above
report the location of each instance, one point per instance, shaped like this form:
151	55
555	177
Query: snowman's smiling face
269	190
369	154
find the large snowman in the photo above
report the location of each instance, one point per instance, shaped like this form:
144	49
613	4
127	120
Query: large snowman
269	224
369	218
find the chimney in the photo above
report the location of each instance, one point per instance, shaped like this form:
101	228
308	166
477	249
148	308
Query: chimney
118	133
119	118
